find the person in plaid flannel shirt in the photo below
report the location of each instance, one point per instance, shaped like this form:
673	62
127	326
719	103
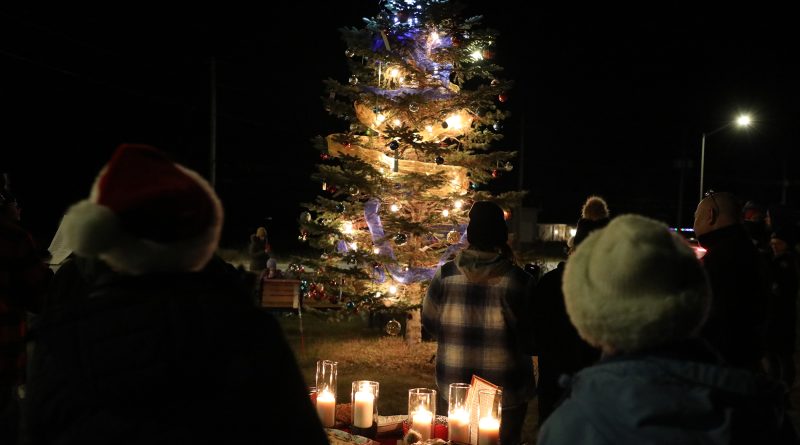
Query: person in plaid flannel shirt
476	308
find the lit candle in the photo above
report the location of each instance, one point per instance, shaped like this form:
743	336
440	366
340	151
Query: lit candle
363	409
422	422
458	425
488	431
326	408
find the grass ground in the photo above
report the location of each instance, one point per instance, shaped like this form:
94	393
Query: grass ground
366	353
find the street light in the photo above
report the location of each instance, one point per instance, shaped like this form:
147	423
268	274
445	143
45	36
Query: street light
741	121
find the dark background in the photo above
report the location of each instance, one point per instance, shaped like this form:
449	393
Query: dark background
605	102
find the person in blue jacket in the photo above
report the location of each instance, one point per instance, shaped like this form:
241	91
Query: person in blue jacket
636	291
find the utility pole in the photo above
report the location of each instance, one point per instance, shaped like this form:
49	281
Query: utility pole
213	125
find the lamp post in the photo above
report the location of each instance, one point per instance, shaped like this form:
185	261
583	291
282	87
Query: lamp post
741	121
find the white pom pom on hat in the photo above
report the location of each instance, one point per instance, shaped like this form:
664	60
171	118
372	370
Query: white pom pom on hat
635	285
145	214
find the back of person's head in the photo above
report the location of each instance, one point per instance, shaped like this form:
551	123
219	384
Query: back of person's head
717	210
635	285
261	232
594	215
146	214
487	228
752	211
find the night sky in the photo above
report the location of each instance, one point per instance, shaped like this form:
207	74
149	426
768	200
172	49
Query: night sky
605	102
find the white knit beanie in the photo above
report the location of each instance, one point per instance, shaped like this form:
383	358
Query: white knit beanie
635	285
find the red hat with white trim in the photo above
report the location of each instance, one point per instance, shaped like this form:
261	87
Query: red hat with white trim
145	214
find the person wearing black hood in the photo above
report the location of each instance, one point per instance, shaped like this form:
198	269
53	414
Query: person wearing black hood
476	308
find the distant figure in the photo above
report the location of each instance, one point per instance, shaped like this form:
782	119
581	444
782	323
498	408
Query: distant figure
476	307
259	250
272	269
737	321
24	278
781	333
753	219
561	350
167	348
636	290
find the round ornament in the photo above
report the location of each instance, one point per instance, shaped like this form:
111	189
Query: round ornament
453	237
354	80
393	327
400	239
439	160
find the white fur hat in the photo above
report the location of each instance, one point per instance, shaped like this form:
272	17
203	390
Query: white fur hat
146	214
634	285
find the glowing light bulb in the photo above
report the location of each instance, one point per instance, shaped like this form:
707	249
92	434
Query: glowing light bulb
458	204
429	128
396	122
434	37
347	227
354	245
454	122
394	207
572	232
394	72
393	289
477	55
380	118
376	250
445	213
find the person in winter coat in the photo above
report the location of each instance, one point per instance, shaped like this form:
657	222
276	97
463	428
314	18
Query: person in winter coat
739	277
24	278
166	348
476	307
258	250
637	291
561	350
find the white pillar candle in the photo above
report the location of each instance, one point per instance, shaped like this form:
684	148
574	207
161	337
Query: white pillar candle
422	422
326	408
458	425
488	431
363	408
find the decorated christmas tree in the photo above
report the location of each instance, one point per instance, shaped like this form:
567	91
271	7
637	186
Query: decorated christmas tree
423	106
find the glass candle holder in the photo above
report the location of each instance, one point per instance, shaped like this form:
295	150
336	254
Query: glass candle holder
312	393
326	392
489	414
458	413
422	411
364	397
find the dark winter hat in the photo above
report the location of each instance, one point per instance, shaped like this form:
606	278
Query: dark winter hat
487	226
146	213
635	285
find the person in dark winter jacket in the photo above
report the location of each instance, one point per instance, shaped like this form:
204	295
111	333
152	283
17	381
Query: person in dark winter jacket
476	308
165	348
561	350
737	322
781	332
24	279
258	250
637	291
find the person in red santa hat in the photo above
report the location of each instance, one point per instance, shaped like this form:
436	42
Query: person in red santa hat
165	347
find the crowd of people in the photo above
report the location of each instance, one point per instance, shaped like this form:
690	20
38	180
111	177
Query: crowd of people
145	335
